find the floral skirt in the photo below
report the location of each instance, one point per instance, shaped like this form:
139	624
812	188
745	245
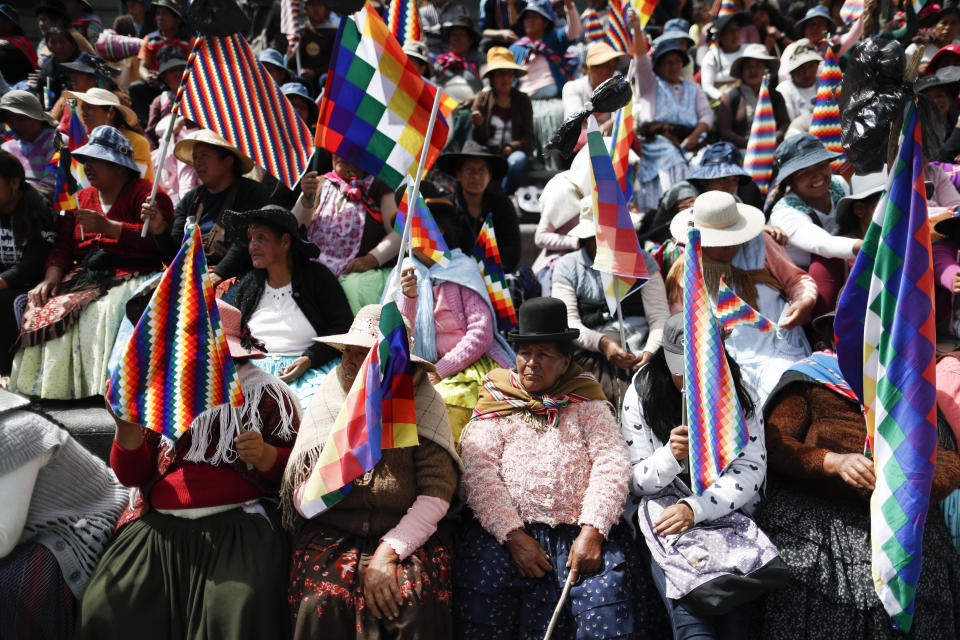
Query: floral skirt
75	365
826	545
493	602
326	588
461	391
304	386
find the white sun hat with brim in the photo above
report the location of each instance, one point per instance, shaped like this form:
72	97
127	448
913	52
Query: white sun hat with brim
103	98
722	221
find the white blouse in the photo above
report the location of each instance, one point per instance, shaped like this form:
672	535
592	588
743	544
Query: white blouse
280	324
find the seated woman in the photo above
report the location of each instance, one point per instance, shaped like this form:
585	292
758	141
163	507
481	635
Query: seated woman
61	504
34	138
26	227
452	320
799	91
817	24
546	476
200	552
759	270
805	207
816	510
458	70
348	216
502	117
99	107
97	263
675	114
287	300
374	564
580	287
717	63
659	447
738	104
220	167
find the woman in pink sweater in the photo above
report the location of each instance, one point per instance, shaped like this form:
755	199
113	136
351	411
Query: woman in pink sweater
546	474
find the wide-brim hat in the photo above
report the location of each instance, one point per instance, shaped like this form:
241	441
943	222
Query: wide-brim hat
803	52
236	223
183	150
231	321
26	104
948	7
170	57
363	333
418	51
670	46
799	152
812	14
742	18
91	64
273	58
500	58
543	320
543	8
940	55
861	188
601	53
752	52
51	7
299	90
450	162
108	144
949	227
103	98
938	79
722	221
720	160
929	15
172	5
463	22
11	14
675	29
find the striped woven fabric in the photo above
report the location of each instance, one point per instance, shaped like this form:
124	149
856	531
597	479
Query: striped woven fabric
226	90
177	364
487	254
826	110
617	30
762	144
718	431
290	23
403	18
376	105
886	341
592	25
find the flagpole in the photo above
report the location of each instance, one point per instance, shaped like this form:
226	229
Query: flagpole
174	112
412	202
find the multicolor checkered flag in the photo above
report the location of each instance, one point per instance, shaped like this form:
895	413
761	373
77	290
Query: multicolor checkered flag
487	253
424	233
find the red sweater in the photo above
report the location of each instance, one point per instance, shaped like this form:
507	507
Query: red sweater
135	254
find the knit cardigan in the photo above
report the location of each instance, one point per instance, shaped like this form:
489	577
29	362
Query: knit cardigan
76	499
521	119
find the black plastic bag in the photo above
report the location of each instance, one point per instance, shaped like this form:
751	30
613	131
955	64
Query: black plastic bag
611	95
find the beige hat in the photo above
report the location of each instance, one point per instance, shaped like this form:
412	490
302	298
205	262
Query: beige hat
183	150
500	58
103	98
363	333
587	226
723	222
26	104
600	53
751	52
803	52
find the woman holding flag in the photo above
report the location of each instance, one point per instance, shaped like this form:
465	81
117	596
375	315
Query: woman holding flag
374	564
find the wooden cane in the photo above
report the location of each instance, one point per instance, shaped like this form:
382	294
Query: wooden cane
559	608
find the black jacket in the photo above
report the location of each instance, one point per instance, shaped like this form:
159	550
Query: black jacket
29	223
318	294
249	195
506	226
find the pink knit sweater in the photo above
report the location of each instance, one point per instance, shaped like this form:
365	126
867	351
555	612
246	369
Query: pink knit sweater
576	473
458	347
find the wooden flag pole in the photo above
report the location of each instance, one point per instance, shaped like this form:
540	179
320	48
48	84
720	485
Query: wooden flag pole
559	607
411	203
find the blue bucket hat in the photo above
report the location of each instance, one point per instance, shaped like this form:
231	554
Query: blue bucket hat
674	29
818	11
666	47
720	160
799	152
298	89
272	57
11	14
542	7
108	144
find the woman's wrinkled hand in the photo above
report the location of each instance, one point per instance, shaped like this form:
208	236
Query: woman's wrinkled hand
253	450
680	442
150	214
408	282
361	264
674	519
853	468
797	313
616	355
47	288
778	234
381	590
295	369
586	554
528	556
310	186
97	223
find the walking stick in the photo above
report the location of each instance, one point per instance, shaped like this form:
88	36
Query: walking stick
560	603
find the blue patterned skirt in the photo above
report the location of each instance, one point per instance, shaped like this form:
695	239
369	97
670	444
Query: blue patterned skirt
304	386
492	601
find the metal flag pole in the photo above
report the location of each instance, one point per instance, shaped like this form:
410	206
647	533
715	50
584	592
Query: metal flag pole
411	203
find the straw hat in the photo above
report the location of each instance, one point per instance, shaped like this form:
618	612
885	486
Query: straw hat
500	58
722	221
103	98
363	333
184	149
600	53
751	52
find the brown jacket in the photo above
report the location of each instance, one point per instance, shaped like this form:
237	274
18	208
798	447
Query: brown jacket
521	119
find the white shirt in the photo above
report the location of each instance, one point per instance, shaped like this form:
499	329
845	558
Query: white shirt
280	324
799	101
716	69
807	238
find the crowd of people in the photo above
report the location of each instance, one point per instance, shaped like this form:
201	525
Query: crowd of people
553	453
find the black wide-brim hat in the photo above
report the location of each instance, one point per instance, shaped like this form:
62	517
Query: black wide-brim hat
450	162
236	223
464	22
543	320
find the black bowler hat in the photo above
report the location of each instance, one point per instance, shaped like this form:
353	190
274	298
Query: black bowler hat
543	320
